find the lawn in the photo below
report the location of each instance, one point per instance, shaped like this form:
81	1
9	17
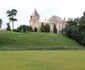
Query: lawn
34	40
42	60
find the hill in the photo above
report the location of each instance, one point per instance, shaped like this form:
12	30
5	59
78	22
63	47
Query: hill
35	40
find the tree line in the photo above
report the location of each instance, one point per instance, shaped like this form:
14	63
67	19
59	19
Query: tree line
43	28
75	29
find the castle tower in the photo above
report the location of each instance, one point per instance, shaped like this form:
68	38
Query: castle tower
34	17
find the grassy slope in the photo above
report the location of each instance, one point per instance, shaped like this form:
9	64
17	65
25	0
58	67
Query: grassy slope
34	39
42	60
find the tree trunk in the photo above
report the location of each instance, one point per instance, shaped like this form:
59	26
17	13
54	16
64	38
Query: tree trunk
12	25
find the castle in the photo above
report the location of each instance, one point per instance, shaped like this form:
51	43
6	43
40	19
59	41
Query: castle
35	21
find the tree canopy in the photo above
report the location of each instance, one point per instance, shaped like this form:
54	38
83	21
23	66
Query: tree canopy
11	14
0	22
76	29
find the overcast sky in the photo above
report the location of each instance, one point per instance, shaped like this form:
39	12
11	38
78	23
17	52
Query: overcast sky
46	8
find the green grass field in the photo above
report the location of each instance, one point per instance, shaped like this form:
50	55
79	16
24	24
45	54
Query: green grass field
42	60
34	40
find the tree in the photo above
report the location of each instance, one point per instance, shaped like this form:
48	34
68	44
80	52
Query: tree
24	28
76	29
0	22
72	21
82	23
11	14
8	27
30	29
83	41
47	28
35	29
55	30
42	29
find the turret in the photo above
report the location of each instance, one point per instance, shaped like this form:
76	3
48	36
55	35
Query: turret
35	16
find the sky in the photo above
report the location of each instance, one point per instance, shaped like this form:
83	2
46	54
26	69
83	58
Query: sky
45	8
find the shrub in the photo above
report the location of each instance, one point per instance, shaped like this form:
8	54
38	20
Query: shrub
8	27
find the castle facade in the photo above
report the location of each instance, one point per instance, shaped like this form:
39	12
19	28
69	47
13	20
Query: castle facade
35	21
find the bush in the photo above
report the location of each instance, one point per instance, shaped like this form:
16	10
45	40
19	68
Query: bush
15	30
8	27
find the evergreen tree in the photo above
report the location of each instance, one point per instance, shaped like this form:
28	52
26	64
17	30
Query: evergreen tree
47	28
35	29
11	14
42	29
55	30
30	29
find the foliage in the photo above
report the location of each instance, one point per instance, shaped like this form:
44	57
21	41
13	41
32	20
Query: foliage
30	29
42	29
24	28
11	14
19	29
83	41
72	21
55	30
76	29
0	22
8	27
35	29
15	30
47	28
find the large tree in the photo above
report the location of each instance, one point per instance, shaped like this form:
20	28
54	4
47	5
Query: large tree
82	23
76	29
11	14
0	22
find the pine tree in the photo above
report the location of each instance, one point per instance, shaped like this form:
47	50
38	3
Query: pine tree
35	29
55	30
30	29
42	29
47	28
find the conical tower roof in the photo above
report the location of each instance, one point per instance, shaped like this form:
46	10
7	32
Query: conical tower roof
35	13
